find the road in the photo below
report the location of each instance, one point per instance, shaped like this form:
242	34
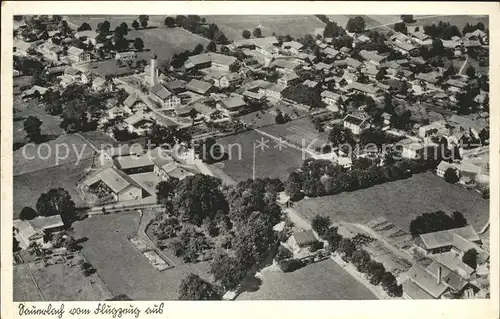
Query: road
464	65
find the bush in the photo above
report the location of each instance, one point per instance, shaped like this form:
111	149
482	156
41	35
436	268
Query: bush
317	245
289	265
283	253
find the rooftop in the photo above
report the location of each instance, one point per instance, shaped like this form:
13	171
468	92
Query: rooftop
364	88
113	178
211	57
42	223
133	161
198	86
160	91
445	237
426	281
304	236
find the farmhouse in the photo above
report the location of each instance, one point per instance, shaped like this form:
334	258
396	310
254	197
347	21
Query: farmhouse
134	164
405	48
331	100
78	55
301	239
271	90
232	105
164	97
124	56
139	123
356	124
331	52
442	241
288	79
369	90
455	85
87	36
199	87
211	59
112	185
372	57
31	231
293	47
34	91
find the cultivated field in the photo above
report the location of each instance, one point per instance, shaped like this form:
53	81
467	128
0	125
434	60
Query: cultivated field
399	202
122	266
28	187
295	26
157	38
270	162
324	280
24	286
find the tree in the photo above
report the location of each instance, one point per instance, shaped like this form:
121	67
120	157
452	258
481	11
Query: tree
57	201
211	47
165	190
194	288
257	33
227	271
458	219
135	24
209	150
32	128
120	297
376	271
27	213
138	44
471	72
320	224
333	238
143	19
104	27
470	258
346	247
198	49
356	24
124	28
293	185
361	259
84	27
451	175
401	27
283	253
451	71
246	34
169	22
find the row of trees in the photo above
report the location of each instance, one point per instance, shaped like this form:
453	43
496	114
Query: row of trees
436	221
257	33
196	24
321	177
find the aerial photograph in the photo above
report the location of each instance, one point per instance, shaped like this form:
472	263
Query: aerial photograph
250	157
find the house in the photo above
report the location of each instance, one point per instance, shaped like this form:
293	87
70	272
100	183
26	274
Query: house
254	96
78	55
331	100
422	284
412	149
398	36
350	63
124	56
271	90
288	79
231	105
21	48
199	87
443	167
50	51
321	66
113	185
372	57
371	71
301	239
222	79
310	84
426	81
366	89
362	39
455	85
31	231
331	52
477	35
405	48
356	124
98	84
285	65
131	100
87	36
421	38
164	97
411	29
139	123
211	59
442	241
292	47
433	129
173	170
134	164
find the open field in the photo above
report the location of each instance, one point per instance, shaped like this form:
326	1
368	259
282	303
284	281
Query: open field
324	280
42	156
296	26
122	266
399	202
99	139
270	162
50	125
61	282
158	39
28	187
300	132
24	286
387	21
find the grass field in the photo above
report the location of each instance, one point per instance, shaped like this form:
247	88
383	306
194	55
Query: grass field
157	38
24	286
400	202
31	158
300	132
120	264
324	280
28	187
61	282
270	162
295	26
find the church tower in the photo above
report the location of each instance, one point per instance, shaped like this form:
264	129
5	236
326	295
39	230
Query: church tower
153	71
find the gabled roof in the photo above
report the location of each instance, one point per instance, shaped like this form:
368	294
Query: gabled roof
304	237
371	55
111	177
445	237
292	44
88	33
133	161
426	281
421	36
74	50
331	51
284	63
414	291
456	83
233	102
364	88
323	66
431	77
131	100
161	92
211	57
198	86
405	46
42	223
330	95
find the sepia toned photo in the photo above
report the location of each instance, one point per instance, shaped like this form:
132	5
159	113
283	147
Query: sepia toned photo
250	157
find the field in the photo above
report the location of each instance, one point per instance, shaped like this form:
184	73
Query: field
157	38
296	26
324	280
33	158
28	187
388	21
122	266
300	132
270	162
24	286
399	202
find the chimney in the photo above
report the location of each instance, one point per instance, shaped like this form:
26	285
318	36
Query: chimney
439	275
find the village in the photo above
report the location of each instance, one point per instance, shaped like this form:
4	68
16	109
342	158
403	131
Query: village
362	115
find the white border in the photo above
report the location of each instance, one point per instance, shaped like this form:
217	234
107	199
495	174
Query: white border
263	309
